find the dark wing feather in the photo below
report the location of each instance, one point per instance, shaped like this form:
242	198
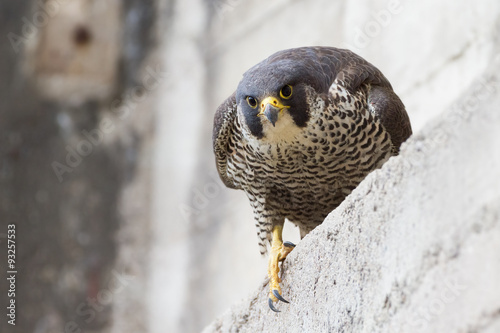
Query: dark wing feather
385	105
224	121
389	109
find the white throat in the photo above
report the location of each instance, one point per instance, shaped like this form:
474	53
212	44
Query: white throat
285	131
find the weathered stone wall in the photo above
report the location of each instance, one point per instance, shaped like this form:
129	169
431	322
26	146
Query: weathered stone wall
415	248
207	254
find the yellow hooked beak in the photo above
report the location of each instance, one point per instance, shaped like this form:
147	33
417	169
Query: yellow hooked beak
271	108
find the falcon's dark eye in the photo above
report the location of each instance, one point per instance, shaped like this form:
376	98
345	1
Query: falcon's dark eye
252	102
286	92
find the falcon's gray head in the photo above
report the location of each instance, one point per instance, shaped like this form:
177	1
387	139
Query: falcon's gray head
274	96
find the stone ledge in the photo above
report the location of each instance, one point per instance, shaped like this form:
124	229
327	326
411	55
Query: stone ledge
415	248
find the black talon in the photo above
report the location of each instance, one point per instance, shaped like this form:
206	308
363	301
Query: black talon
288	244
271	305
278	296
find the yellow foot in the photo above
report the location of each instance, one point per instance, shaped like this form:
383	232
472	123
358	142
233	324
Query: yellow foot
279	251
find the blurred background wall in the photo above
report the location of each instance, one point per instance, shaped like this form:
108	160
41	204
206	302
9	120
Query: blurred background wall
76	128
107	169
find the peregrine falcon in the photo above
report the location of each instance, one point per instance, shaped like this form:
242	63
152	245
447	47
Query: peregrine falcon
303	128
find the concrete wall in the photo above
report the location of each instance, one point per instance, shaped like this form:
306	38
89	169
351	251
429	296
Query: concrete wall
414	248
206	256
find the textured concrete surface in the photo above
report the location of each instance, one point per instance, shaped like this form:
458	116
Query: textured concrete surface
204	234
415	248
204	254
